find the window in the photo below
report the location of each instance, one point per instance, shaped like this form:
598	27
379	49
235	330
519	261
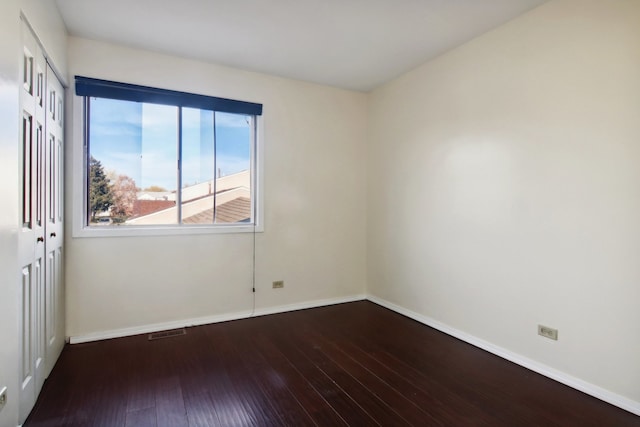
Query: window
156	158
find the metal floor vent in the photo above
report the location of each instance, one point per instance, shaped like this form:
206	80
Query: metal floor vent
167	334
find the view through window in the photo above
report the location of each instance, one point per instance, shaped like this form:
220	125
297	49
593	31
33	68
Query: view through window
155	164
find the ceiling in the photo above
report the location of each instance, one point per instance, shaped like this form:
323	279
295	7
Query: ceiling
352	44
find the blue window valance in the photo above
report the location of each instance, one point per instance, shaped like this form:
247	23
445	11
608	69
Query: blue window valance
86	86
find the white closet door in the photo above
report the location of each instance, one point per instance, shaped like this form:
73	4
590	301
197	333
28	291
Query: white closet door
31	248
54	220
41	233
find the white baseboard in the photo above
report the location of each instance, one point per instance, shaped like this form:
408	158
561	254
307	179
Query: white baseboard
157	327
308	304
566	379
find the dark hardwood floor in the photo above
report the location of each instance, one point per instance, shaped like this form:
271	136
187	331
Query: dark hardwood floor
354	364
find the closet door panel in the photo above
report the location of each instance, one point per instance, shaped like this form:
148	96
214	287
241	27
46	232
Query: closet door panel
54	219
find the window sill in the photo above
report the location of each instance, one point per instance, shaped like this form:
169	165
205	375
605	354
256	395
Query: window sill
169	230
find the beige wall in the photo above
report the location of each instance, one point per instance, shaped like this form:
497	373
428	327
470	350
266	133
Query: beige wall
314	210
53	37
504	190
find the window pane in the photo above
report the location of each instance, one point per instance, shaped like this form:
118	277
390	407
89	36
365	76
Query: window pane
233	167
216	164
133	163
198	166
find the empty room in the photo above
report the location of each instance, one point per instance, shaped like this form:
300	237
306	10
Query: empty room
323	213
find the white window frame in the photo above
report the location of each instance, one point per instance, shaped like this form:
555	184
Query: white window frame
78	170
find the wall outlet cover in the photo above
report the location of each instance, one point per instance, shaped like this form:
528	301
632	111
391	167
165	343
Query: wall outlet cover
3	397
548	332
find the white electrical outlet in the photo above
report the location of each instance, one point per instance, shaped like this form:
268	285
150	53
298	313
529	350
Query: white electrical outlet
548	332
3	397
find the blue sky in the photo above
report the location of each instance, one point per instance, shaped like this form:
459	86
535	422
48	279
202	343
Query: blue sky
140	141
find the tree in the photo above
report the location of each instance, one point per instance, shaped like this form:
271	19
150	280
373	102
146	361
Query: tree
124	194
100	198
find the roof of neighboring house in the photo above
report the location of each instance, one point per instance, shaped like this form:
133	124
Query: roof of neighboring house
146	207
236	210
155	195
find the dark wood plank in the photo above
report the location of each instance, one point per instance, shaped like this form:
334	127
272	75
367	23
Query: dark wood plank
142	418
321	411
170	410
233	386
271	382
348	409
379	384
351	364
440	400
201	410
140	395
377	407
